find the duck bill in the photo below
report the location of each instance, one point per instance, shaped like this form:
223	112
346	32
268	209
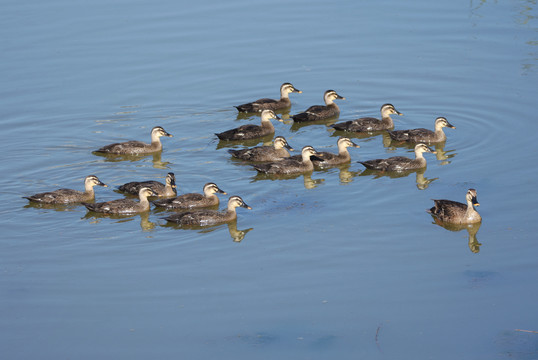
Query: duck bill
102	184
475	202
397	112
169	135
289	147
246	206
450	125
355	145
431	150
340	97
221	192
297	91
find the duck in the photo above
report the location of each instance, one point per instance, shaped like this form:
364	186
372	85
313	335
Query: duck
68	196
400	163
291	166
137	147
249	131
455	212
162	190
276	152
423	135
271	104
368	124
124	206
193	200
321	112
208	217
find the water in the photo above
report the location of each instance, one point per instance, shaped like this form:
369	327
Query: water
332	265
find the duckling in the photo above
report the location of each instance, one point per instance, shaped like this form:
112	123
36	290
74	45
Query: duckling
320	112
124	206
331	159
400	163
423	135
250	131
137	147
291	166
367	124
159	188
67	196
278	151
193	200
455	212
209	217
271	104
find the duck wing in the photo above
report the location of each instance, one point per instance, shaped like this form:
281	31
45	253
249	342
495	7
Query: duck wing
257	105
123	148
243	132
447	209
56	196
200	217
410	135
135	186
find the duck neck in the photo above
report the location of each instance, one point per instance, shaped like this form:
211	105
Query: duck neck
267	124
144	202
343	152
439	134
284	95
471	213
88	190
156	142
387	120
169	190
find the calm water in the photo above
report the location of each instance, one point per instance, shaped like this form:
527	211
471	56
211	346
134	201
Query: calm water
338	264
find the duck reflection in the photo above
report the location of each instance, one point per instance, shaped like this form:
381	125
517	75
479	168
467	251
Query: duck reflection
421	181
472	229
296	126
156	158
145	223
441	154
236	234
309	183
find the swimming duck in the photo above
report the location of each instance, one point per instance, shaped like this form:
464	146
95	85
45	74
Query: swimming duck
158	188
193	200
67	196
331	159
278	151
320	112
250	131
400	163
124	206
209	217
423	135
271	104
455	212
367	124
137	147
290	166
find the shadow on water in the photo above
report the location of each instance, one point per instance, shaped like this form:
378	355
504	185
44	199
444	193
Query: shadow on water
145	224
422	181
157	158
236	234
472	229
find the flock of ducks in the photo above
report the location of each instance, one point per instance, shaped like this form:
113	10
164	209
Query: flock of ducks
196	209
